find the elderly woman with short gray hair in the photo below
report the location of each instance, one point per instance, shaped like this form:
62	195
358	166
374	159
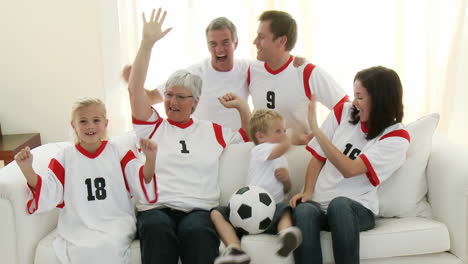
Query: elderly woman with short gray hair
177	225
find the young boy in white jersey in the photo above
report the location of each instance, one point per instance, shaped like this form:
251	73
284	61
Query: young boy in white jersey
92	182
268	169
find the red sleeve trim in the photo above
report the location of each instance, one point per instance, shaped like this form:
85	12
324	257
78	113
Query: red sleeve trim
244	135
307	72
338	108
58	171
397	133
371	175
140	122
315	154
219	134
123	163
159	122
338	111
248	76
34	202
142	183
342	101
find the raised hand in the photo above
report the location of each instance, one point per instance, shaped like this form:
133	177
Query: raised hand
298	137
24	158
127	69
148	146
231	100
152	29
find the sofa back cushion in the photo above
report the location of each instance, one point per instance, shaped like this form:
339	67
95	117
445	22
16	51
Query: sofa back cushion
404	193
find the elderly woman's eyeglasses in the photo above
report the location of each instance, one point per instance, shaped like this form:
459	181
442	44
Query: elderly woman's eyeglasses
178	97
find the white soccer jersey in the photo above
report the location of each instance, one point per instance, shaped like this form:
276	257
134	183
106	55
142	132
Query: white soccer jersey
97	218
187	161
262	170
382	155
288	90
216	84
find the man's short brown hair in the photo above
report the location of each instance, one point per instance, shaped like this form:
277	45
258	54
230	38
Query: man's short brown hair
281	24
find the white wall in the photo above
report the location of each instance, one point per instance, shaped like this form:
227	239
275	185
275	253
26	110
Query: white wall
52	53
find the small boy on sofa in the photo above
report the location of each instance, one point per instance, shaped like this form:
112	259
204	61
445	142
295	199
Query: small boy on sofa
267	169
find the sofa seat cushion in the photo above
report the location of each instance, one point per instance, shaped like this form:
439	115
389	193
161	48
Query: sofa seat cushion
391	237
45	252
398	237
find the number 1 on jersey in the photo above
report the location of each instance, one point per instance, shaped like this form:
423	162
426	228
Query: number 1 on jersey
184	147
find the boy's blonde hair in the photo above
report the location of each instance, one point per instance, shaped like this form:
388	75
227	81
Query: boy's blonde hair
85	102
261	121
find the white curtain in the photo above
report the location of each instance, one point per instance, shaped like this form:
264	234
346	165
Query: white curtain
425	41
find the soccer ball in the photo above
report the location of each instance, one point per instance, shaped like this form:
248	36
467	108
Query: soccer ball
251	210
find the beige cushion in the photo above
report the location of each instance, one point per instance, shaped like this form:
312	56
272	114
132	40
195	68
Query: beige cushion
404	193
391	237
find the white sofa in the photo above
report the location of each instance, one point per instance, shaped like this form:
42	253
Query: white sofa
441	238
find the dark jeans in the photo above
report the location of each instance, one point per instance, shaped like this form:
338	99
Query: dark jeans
167	234
344	218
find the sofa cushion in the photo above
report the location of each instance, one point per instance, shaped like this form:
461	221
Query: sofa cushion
233	166
404	193
391	237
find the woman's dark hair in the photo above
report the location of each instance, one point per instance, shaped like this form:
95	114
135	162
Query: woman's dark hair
386	93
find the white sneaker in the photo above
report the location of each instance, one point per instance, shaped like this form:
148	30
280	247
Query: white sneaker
290	239
233	255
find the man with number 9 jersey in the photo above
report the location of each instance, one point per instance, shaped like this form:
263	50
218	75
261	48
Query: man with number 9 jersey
275	84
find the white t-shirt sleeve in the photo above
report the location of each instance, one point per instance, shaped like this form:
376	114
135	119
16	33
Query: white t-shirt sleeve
260	153
48	193
233	137
134	178
327	90
384	158
146	128
132	164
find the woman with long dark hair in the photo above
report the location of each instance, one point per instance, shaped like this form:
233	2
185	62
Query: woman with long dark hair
359	146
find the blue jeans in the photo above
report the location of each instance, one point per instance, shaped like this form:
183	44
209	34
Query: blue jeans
344	218
167	234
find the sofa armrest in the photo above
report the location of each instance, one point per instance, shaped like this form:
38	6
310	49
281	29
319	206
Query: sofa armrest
447	173
20	231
